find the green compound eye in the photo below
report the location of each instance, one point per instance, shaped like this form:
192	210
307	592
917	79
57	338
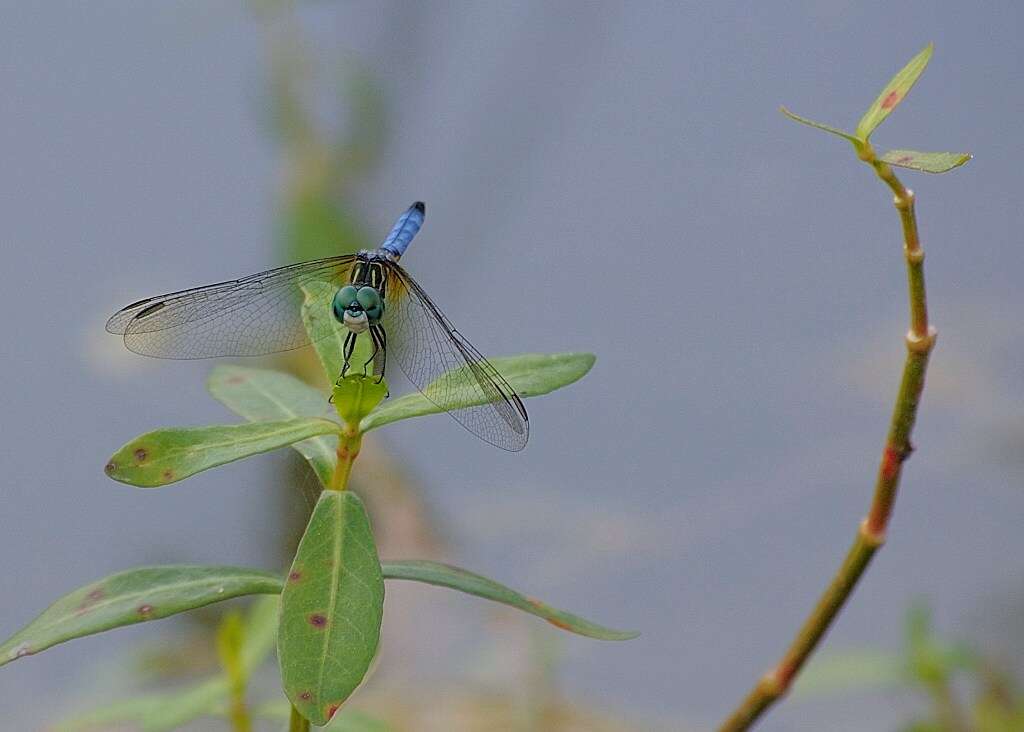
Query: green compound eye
368	297
346	294
342	299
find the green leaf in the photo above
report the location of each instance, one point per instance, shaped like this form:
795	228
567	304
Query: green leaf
444	575
259	395
327	334
356	396
331	608
168	711
821	126
894	93
926	162
134	596
171	454
530	374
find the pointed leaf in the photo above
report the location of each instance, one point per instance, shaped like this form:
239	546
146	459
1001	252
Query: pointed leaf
171	454
821	126
445	575
530	374
894	93
327	334
926	162
260	395
331	608
357	395
168	711
134	596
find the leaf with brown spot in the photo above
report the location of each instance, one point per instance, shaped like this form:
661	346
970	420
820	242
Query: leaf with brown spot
134	596
174	453
330	621
925	162
894	93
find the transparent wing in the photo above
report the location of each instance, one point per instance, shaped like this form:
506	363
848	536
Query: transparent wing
447	369
250	316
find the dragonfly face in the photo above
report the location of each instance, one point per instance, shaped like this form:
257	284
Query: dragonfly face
374	297
358	307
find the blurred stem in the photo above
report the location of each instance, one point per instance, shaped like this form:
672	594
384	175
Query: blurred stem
349	442
238	714
871	534
949	713
297	723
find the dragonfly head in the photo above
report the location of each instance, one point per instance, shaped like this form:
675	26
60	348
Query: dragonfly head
358	307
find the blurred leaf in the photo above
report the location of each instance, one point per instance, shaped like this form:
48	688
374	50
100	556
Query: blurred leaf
174	453
894	93
134	596
260	395
852	671
926	162
931	659
331	608
313	225
531	374
327	334
356	396
168	711
821	126
444	575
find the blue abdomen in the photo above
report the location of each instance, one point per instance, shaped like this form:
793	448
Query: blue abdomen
405	229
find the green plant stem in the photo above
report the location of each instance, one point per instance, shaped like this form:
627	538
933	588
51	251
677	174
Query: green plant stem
349	443
871	534
237	712
297	723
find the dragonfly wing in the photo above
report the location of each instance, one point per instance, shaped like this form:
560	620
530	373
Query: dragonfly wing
447	369
250	316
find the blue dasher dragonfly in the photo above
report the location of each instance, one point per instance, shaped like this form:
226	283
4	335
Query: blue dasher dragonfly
374	297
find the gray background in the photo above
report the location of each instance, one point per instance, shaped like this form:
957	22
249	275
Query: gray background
609	177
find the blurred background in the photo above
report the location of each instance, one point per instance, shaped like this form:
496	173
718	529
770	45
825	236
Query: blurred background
603	177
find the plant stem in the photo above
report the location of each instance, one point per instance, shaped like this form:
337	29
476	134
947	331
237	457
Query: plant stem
238	714
871	534
297	723
349	443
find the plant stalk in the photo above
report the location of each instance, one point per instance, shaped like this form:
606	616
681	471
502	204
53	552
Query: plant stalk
871	534
349	443
238	714
297	723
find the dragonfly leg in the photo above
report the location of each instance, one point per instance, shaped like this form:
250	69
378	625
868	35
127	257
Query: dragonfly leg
376	348
347	347
380	350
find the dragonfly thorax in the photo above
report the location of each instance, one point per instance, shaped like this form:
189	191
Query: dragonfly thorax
358	307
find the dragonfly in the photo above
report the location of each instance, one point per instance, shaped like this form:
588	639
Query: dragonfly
374	297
